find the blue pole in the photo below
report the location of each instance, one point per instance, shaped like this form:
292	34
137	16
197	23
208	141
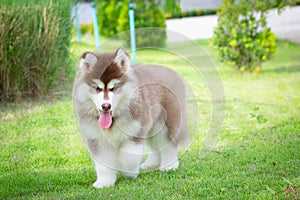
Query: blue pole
96	30
79	34
132	32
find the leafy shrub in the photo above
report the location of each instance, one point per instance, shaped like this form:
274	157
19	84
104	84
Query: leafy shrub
123	20
198	12
34	40
172	9
147	14
242	36
108	12
192	13
87	28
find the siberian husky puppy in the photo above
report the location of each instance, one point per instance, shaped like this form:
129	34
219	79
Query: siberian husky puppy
123	107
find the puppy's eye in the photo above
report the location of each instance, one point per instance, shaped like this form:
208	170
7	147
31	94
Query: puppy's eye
112	89
98	89
116	86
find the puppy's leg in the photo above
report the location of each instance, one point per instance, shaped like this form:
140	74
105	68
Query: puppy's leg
169	159
153	158
130	156
156	141
106	167
106	176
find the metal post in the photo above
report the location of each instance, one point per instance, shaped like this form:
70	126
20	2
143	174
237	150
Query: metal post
132	32
79	34
96	30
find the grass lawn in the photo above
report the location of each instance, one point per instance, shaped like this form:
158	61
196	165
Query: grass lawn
256	156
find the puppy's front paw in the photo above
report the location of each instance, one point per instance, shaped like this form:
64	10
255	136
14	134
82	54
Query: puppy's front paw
104	182
170	166
146	166
131	175
150	163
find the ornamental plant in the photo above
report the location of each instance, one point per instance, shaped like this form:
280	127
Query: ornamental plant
34	47
108	12
147	14
242	36
172	9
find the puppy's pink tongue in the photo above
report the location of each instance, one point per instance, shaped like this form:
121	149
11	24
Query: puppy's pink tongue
105	120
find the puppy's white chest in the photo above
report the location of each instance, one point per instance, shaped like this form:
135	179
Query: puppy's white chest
122	130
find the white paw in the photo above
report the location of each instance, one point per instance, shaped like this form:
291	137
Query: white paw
132	175
104	182
147	165
169	166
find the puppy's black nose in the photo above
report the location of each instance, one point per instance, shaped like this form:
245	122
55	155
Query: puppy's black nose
106	107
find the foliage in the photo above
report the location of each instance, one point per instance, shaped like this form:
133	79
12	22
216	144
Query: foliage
202	12
147	14
172	9
108	12
123	20
242	36
87	28
34	47
113	19
37	2
198	12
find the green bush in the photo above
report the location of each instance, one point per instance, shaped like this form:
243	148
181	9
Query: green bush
243	40
114	18
123	20
242	36
172	9
108	12
87	28
197	12
34	54
147	14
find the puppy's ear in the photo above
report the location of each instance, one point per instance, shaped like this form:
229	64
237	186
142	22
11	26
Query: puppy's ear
122	59
87	60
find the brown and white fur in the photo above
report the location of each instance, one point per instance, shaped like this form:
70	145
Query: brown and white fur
147	107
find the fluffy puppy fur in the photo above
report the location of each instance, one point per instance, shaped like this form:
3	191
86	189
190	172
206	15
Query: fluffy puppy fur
121	108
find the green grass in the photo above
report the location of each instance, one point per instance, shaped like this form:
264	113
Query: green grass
257	155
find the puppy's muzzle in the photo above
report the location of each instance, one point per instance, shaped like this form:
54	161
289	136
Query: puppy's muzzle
106	107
